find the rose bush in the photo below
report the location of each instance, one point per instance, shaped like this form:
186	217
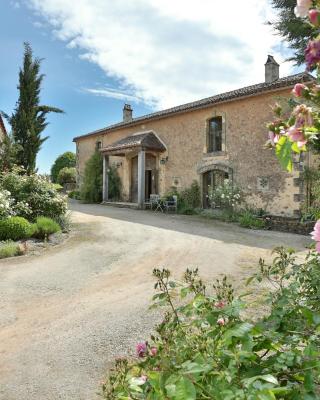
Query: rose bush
224	196
29	196
206	348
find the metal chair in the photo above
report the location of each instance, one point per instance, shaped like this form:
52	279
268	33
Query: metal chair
172	205
153	201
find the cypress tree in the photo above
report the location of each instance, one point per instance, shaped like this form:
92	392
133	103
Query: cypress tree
28	120
295	33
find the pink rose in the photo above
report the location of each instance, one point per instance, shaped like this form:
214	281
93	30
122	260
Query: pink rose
315	234
296	135
221	322
314	16
273	138
302	8
153	351
220	304
141	349
298	89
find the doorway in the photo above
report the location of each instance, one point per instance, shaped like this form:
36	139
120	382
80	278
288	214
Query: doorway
148	184
212	179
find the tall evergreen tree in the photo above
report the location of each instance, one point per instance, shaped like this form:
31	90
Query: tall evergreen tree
28	120
291	29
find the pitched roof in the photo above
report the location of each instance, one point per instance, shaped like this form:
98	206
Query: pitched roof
209	101
2	126
147	140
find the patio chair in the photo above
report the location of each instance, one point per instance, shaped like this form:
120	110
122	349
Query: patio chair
172	204
152	202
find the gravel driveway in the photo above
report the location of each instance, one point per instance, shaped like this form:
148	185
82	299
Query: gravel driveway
66	314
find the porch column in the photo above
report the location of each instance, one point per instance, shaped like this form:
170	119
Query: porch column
141	177
105	188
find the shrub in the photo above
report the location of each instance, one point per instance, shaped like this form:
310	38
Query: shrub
10	249
6	204
67	175
64	222
32	195
205	348
67	159
248	220
74	194
114	183
44	227
91	188
15	228
225	196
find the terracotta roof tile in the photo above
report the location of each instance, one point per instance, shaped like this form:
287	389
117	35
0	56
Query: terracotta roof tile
207	102
147	140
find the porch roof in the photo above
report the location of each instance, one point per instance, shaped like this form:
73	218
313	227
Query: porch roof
146	141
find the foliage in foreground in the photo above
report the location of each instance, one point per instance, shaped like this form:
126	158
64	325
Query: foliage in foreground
91	188
29	196
206	349
10	249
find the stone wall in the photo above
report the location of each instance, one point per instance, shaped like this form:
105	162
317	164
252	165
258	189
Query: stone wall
255	170
285	224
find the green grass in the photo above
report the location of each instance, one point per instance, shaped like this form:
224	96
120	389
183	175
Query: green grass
44	227
10	249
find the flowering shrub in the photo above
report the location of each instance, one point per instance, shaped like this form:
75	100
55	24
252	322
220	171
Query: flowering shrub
224	196
6	204
30	196
206	349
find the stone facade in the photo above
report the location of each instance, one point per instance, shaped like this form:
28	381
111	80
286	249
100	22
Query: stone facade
253	169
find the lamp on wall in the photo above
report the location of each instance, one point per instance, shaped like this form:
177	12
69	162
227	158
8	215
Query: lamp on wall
164	160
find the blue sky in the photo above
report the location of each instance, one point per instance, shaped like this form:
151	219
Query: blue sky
102	53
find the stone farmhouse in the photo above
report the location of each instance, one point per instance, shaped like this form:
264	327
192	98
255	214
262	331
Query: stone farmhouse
210	140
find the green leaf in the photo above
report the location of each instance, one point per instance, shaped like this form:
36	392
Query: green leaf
185	390
266	395
238	331
284	153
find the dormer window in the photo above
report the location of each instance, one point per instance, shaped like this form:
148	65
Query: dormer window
215	135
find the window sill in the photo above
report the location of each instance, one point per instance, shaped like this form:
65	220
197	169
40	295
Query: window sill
215	154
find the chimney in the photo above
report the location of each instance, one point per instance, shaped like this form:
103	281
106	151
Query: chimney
271	70
127	113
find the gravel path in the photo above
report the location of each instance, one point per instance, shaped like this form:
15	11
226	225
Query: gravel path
66	314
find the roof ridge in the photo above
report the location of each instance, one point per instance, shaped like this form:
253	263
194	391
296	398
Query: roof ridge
217	98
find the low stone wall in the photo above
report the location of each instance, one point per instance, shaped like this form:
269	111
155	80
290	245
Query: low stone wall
286	224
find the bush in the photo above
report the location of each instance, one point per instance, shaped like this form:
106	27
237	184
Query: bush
64	222
10	249
44	227
67	159
189	199
225	196
15	228
205	348
248	220
32	195
91	188
74	194
67	175
114	184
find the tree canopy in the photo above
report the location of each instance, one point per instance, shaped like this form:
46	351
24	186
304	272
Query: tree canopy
65	160
28	120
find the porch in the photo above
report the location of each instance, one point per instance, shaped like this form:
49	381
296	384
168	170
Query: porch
141	166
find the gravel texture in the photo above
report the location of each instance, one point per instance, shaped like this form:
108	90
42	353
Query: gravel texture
67	313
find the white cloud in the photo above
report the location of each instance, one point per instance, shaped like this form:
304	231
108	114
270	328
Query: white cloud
113	94
169	52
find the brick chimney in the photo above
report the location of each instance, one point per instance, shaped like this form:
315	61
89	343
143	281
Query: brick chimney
271	70
127	113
